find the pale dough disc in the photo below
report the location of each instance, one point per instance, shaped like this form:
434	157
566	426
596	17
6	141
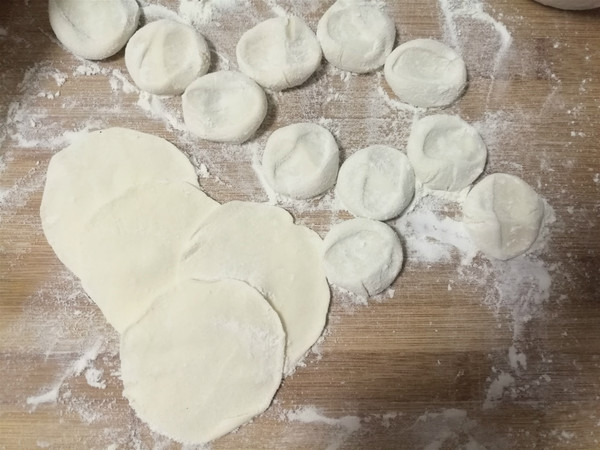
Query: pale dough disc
93	29
224	106
571	4
165	56
301	160
260	244
131	246
362	256
426	73
356	35
503	215
206	358
446	152
279	53
376	182
96	169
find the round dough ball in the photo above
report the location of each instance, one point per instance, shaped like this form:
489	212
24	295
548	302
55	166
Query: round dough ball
356	36
571	4
206	358
503	215
93	29
279	53
165	56
446	152
376	182
362	256
426	73
301	160
224	106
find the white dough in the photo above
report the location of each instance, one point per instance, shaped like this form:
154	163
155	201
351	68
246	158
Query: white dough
279	53
362	256
132	246
446	152
301	160
356	35
93	29
224	106
376	182
205	359
426	73
503	215
165	56
96	169
260	244
571	4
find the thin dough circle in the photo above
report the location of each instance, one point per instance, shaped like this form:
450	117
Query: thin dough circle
356	36
426	73
362	256
206	358
165	56
301	160
446	152
503	215
376	182
224	106
279	53
93	29
571	4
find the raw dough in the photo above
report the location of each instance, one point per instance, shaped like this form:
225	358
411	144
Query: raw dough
376	182
260	244
571	4
131	247
301	160
446	152
279	53
363	256
224	106
503	215
206	358
165	56
356	35
96	169
426	73
93	29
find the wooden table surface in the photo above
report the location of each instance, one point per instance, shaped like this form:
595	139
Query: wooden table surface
438	363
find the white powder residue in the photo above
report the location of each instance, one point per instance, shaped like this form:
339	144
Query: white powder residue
93	377
157	108
450	428
517	359
201	12
497	389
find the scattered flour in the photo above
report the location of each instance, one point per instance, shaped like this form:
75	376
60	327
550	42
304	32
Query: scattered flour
497	389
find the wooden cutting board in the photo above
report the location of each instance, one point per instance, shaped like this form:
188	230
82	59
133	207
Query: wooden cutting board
447	359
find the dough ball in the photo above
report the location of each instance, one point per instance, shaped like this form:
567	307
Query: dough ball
362	256
96	169
376	182
279	53
446	152
426	73
165	56
301	160
206	358
503	215
93	29
224	106
571	4
356	36
260	244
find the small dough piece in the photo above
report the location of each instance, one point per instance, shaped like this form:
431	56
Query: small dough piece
362	256
503	215
224	106
426	73
165	56
356	35
206	358
571	4
446	152
93	29
301	160
97	168
376	182
279	53
131	247
260	244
